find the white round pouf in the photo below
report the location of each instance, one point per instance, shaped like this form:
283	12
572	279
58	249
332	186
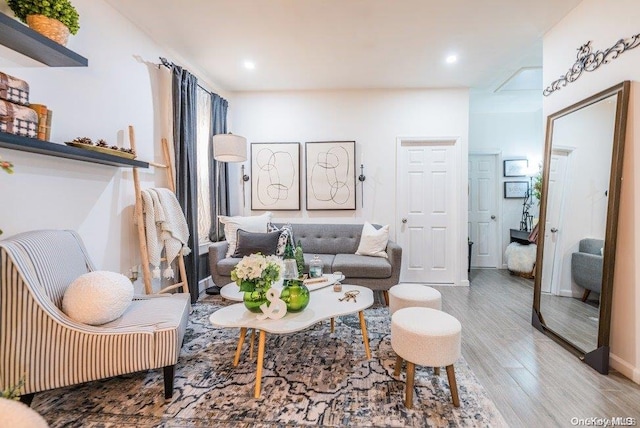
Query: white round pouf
405	295
97	297
426	337
18	415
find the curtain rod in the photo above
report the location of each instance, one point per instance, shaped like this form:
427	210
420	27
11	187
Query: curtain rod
169	65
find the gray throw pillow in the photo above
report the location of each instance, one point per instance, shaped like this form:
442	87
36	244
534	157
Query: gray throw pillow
250	243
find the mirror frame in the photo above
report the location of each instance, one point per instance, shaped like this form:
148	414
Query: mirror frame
598	358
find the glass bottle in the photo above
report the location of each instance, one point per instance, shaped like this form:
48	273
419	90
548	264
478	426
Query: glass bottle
315	267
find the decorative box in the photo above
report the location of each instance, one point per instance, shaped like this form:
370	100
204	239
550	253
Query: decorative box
18	120
13	89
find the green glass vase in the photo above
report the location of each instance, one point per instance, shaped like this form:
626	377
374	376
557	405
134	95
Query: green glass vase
253	299
296	295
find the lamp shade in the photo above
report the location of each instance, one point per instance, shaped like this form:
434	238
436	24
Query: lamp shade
229	148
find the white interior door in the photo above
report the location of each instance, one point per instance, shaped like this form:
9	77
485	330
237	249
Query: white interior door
483	210
427	195
552	231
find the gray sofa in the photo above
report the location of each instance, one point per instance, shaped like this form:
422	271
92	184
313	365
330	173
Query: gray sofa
336	245
586	266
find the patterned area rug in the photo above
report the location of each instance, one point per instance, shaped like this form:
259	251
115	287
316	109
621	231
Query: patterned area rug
313	378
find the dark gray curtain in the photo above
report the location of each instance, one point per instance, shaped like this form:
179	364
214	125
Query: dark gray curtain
219	193
184	142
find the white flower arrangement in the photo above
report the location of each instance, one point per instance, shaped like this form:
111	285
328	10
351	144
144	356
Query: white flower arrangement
257	271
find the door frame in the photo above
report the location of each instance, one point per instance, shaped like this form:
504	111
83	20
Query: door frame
499	200
460	211
556	274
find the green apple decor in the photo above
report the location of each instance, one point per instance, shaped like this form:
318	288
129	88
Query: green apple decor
54	19
295	294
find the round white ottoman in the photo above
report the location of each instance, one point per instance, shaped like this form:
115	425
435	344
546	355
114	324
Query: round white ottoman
426	337
17	415
405	295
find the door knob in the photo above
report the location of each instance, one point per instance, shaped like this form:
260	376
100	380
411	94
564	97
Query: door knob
554	230
493	217
404	221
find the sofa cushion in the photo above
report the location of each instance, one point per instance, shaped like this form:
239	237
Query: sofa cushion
249	243
286	235
157	312
352	265
328	238
164	316
250	224
373	242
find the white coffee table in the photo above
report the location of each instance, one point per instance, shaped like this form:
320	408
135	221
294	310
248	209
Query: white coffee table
324	304
232	292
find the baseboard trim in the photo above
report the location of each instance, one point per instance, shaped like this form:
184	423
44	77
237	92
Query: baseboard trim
625	368
203	284
464	283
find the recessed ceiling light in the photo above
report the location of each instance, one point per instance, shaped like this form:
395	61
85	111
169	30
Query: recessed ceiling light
249	65
451	59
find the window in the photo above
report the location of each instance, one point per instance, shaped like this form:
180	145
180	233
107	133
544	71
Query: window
203	136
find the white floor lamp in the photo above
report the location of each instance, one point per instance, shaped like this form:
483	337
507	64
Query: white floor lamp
227	148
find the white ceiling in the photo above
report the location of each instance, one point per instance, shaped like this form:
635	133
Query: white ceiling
338	44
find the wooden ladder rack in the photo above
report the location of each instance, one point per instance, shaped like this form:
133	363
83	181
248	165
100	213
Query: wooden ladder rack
142	235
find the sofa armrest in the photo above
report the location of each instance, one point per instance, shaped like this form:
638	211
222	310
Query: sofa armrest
586	270
217	252
394	251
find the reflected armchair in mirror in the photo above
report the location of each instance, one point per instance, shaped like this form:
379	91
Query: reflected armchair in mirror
586	266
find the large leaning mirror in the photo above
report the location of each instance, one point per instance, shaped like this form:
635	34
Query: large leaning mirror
578	224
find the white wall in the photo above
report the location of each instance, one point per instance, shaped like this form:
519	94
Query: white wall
514	135
374	119
603	24
98	101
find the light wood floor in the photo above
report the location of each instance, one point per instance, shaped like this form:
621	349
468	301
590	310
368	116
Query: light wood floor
573	319
532	379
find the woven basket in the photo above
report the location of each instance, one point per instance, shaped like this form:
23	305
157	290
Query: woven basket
528	275
49	27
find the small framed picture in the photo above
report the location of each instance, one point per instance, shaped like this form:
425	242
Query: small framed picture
515	167
516	189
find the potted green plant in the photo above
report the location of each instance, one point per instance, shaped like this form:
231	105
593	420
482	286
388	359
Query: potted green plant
537	184
54	19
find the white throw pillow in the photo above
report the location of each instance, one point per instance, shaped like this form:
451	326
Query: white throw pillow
256	223
97	297
373	242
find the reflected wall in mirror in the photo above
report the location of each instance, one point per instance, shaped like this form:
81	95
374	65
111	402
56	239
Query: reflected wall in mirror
578	224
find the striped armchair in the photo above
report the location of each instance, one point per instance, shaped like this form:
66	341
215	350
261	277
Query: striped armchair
48	349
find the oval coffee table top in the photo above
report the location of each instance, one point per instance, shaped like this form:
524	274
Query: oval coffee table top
324	304
232	292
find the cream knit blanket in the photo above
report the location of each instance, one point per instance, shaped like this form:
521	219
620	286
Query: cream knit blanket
166	228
